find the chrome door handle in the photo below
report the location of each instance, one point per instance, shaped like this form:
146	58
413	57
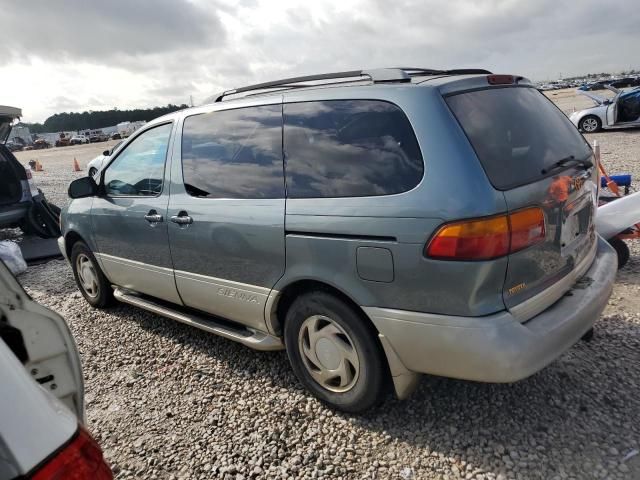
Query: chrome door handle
153	217
182	219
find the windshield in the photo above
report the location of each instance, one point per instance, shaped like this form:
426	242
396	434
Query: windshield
516	133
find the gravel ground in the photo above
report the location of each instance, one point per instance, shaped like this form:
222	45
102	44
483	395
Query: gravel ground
169	401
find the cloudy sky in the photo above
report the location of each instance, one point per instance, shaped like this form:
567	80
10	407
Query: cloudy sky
73	55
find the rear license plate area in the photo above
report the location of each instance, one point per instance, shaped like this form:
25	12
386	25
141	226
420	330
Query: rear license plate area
575	227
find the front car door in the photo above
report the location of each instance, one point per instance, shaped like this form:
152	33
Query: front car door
129	217
226	211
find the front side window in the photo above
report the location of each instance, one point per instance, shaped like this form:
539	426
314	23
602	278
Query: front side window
349	148
139	169
234	153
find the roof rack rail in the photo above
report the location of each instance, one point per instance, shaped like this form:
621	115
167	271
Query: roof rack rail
381	75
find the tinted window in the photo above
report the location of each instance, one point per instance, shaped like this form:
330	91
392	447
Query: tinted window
516	133
349	148
234	153
139	169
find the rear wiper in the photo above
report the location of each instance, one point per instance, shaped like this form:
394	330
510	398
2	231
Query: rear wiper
563	162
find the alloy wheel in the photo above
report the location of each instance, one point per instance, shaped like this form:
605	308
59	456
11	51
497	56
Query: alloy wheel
87	275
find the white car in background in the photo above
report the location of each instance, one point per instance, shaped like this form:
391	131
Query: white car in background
95	165
620	111
79	139
42	401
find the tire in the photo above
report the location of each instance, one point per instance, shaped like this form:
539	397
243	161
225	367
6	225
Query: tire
348	345
590	124
35	223
92	171
86	270
622	249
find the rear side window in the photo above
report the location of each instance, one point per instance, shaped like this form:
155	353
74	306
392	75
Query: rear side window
516	133
349	148
234	153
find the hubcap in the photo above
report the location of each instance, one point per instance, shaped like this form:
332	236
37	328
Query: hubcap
328	353
589	125
87	275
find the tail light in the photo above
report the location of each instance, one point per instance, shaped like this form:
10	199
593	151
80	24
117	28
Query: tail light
81	459
488	238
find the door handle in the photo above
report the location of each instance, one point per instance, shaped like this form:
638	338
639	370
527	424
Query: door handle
182	218
153	217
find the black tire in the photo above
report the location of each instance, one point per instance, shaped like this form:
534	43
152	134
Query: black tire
370	382
103	296
36	224
622	249
587	124
92	171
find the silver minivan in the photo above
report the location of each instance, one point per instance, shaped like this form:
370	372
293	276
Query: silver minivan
377	224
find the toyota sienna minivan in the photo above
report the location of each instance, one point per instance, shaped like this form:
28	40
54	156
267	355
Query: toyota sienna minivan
377	224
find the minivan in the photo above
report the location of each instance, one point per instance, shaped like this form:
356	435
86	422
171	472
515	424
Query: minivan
377	224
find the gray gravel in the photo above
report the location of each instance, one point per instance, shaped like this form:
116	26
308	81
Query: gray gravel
168	401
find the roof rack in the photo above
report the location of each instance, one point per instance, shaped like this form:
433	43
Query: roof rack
381	75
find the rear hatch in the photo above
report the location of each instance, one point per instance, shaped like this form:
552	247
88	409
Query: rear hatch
533	154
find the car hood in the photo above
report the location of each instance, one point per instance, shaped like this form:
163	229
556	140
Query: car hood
7	116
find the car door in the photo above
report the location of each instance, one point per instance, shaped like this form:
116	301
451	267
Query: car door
129	217
226	211
612	108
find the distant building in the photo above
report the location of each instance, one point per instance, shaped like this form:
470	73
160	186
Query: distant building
21	131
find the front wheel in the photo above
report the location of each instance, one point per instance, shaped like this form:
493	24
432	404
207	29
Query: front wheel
590	124
622	249
93	285
334	354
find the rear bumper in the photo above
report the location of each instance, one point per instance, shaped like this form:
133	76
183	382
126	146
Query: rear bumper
498	348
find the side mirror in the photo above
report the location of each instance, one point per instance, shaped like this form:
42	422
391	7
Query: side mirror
106	153
83	187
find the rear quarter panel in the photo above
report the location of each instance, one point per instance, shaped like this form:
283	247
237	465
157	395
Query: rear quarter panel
454	186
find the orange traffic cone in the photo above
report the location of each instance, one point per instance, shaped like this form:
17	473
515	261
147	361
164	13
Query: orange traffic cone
76	166
39	166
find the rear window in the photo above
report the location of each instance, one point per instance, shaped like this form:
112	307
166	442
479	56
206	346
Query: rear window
516	133
349	148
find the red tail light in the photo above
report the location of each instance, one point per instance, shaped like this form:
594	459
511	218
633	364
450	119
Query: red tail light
79	460
487	238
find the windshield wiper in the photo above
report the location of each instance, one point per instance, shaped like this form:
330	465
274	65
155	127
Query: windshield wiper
563	162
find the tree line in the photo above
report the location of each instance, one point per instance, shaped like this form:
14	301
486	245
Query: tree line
73	121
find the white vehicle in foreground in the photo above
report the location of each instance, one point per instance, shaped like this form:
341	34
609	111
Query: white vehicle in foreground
42	399
95	165
621	111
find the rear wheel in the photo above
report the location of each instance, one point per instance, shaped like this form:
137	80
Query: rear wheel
334	353
622	249
93	285
590	124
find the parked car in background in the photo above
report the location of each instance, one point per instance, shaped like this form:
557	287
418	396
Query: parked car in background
63	140
97	136
621	111
95	165
42	403
14	146
78	139
40	144
308	220
21	203
116	136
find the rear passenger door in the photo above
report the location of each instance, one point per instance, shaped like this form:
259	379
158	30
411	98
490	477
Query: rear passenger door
226	211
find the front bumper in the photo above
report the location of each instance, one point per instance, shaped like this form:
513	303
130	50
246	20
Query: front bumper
498	348
63	248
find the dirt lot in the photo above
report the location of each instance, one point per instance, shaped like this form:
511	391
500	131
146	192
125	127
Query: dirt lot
168	401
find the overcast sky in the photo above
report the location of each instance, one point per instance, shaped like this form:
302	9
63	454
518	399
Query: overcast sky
73	55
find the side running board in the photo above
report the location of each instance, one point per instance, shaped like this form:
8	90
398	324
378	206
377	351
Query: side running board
250	338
